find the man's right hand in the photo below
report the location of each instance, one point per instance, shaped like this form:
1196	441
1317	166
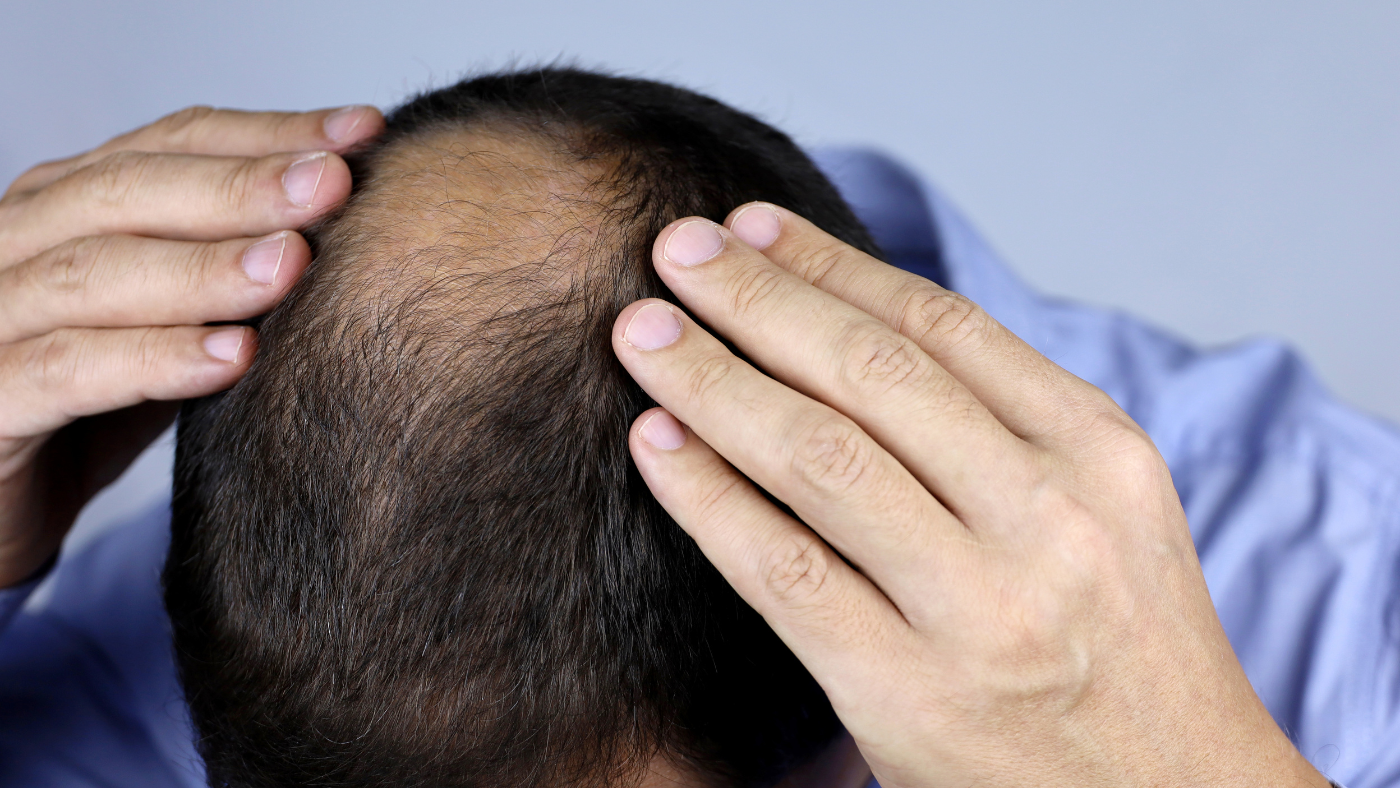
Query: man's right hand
111	262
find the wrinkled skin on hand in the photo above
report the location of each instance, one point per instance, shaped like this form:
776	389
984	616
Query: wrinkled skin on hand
1023	604
112	261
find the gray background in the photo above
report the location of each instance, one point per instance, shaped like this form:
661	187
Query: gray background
1222	168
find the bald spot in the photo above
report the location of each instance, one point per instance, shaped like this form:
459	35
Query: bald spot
483	221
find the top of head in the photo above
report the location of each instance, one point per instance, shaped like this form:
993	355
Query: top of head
409	547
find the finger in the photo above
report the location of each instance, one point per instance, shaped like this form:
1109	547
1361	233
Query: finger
113	281
176	196
836	622
843	485
51	380
842	356
225	132
1035	398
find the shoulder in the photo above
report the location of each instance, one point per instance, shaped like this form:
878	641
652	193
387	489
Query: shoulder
1293	497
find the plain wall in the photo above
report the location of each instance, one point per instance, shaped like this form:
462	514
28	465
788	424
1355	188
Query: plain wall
1222	168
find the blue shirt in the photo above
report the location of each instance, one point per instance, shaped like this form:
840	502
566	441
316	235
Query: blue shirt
1293	500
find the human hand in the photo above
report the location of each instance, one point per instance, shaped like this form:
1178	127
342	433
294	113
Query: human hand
111	261
1023	604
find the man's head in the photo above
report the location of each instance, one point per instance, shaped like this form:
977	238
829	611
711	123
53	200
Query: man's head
409	547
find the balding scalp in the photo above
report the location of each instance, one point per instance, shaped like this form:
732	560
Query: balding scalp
410	547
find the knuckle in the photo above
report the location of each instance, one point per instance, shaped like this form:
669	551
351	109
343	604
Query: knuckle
710	375
67	358
942	318
1137	467
178	127
880	360
1116	450
753	288
10	208
956	406
34	173
50	362
69	267
113	179
796	572
287	125
27	181
237	186
1135	453
833	457
149	349
813	261
1093	419
715	491
205	262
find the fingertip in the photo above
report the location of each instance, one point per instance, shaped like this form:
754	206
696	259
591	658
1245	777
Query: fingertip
653	327
335	184
315	183
348	126
231	345
275	261
659	249
691	242
296	257
757	224
629	313
227	355
263	259
658	429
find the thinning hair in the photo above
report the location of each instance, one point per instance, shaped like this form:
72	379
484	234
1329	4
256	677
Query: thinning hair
410	547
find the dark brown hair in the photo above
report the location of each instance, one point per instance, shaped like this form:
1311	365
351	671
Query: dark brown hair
410	547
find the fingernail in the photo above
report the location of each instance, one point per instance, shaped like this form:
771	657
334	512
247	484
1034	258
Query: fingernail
653	326
693	243
263	260
339	125
303	178
662	431
225	345
757	225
